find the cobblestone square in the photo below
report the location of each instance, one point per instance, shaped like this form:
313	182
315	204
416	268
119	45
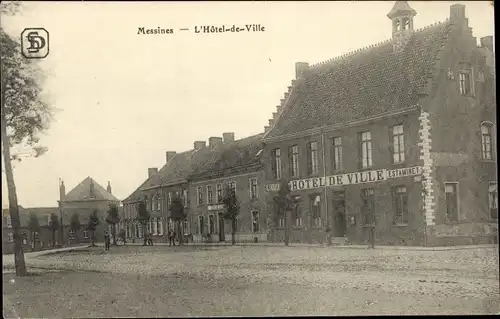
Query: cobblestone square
216	281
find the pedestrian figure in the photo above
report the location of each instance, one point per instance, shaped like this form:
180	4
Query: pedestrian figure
171	238
150	239
107	240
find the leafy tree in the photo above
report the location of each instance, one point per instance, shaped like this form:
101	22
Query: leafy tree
75	223
23	116
113	218
92	225
33	226
231	210
284	204
178	215
54	225
143	217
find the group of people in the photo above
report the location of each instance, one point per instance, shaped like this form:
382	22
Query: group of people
149	239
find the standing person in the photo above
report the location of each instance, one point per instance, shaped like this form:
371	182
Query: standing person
150	239
171	238
106	240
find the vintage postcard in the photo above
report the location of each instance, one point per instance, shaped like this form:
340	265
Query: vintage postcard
248	158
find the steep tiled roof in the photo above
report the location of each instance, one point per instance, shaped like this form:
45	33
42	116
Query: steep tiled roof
136	194
233	155
43	214
82	192
365	83
178	168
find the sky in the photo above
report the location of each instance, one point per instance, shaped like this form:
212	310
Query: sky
125	99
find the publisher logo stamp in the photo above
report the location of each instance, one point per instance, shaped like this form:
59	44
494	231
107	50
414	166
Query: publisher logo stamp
35	43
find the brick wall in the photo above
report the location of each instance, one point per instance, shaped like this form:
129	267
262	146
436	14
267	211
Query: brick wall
456	143
386	232
247	206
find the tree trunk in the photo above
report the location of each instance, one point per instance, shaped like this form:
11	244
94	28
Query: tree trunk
92	239
13	206
181	232
287	227
53	238
113	233
233	231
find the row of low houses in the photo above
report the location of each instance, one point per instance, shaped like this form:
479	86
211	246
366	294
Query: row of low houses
400	135
85	198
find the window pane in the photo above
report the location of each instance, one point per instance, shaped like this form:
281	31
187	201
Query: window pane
449	188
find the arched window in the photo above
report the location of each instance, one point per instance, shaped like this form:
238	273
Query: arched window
486	141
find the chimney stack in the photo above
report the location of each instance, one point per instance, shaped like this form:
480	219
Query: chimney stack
300	69
213	142
152	171
198	145
228	137
62	191
109	187
169	155
487	42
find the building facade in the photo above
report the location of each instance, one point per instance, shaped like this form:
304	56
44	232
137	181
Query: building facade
158	191
397	136
85	198
235	164
32	239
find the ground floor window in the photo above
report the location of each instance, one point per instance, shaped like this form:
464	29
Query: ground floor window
368	205
185	226
201	224
71	234
155	226
297	216
11	237
281	222
451	192
493	200
401	205
85	234
315	201
255	222
25	239
211	224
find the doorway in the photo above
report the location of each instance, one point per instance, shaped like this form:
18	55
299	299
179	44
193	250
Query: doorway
222	237
339	214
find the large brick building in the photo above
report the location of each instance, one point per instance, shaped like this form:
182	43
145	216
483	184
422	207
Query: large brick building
399	134
83	199
158	191
236	164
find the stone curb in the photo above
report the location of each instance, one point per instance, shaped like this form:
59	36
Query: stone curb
334	246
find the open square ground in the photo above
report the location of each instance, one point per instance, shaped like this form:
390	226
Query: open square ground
216	281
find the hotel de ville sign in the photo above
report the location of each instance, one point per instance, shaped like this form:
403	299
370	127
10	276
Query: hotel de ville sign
348	179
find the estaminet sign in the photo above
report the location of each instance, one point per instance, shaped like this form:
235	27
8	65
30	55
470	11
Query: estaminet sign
348	179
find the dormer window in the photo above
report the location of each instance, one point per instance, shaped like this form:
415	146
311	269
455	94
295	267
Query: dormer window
465	79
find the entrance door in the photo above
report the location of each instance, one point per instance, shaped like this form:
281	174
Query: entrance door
221	228
339	216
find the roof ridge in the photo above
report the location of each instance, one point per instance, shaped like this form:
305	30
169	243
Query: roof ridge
370	46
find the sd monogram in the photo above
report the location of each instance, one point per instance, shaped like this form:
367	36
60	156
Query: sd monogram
35	43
